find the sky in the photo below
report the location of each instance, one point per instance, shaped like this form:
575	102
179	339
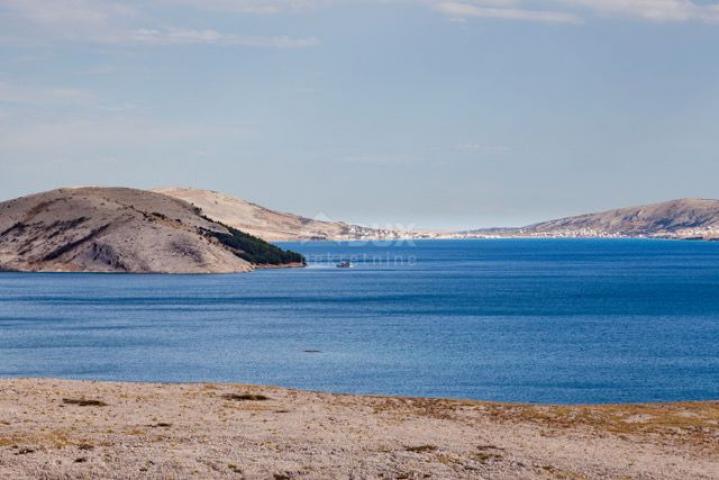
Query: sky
405	113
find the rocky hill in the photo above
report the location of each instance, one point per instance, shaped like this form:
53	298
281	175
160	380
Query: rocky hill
683	218
270	224
124	230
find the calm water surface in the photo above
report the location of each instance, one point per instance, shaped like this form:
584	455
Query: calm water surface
559	321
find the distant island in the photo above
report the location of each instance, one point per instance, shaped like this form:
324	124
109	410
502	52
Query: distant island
125	230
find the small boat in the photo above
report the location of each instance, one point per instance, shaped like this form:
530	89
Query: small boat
345	264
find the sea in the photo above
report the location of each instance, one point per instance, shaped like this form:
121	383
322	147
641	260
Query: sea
549	321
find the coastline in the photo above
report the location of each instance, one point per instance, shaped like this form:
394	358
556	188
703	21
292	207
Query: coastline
253	268
79	429
497	237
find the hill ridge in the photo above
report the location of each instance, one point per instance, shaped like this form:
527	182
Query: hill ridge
271	225
119	229
689	217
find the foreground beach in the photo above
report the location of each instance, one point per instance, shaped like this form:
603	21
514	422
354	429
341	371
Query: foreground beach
57	429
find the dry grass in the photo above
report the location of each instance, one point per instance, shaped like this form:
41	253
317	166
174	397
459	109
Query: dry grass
700	419
82	402
422	448
245	397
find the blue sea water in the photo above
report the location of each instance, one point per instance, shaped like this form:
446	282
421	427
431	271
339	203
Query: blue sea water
548	321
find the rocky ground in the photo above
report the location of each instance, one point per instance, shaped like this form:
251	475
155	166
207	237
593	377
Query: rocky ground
54	429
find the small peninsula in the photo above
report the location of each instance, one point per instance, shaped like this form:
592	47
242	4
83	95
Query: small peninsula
93	229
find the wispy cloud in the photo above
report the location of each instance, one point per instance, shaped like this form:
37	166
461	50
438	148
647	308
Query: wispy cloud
252	6
652	10
544	11
63	13
461	10
110	23
575	11
180	36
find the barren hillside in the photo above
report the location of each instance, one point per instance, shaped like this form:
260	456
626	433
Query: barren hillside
270	224
683	218
123	230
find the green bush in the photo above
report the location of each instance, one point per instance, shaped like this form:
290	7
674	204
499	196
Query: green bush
255	250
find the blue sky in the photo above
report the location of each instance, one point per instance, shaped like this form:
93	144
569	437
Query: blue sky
411	113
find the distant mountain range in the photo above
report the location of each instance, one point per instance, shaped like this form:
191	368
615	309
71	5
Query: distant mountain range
684	218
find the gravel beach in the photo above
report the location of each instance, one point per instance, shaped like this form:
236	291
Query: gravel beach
58	429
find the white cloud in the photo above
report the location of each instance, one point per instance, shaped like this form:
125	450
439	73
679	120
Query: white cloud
550	11
252	6
490	10
111	23
62	13
178	36
653	10
573	11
